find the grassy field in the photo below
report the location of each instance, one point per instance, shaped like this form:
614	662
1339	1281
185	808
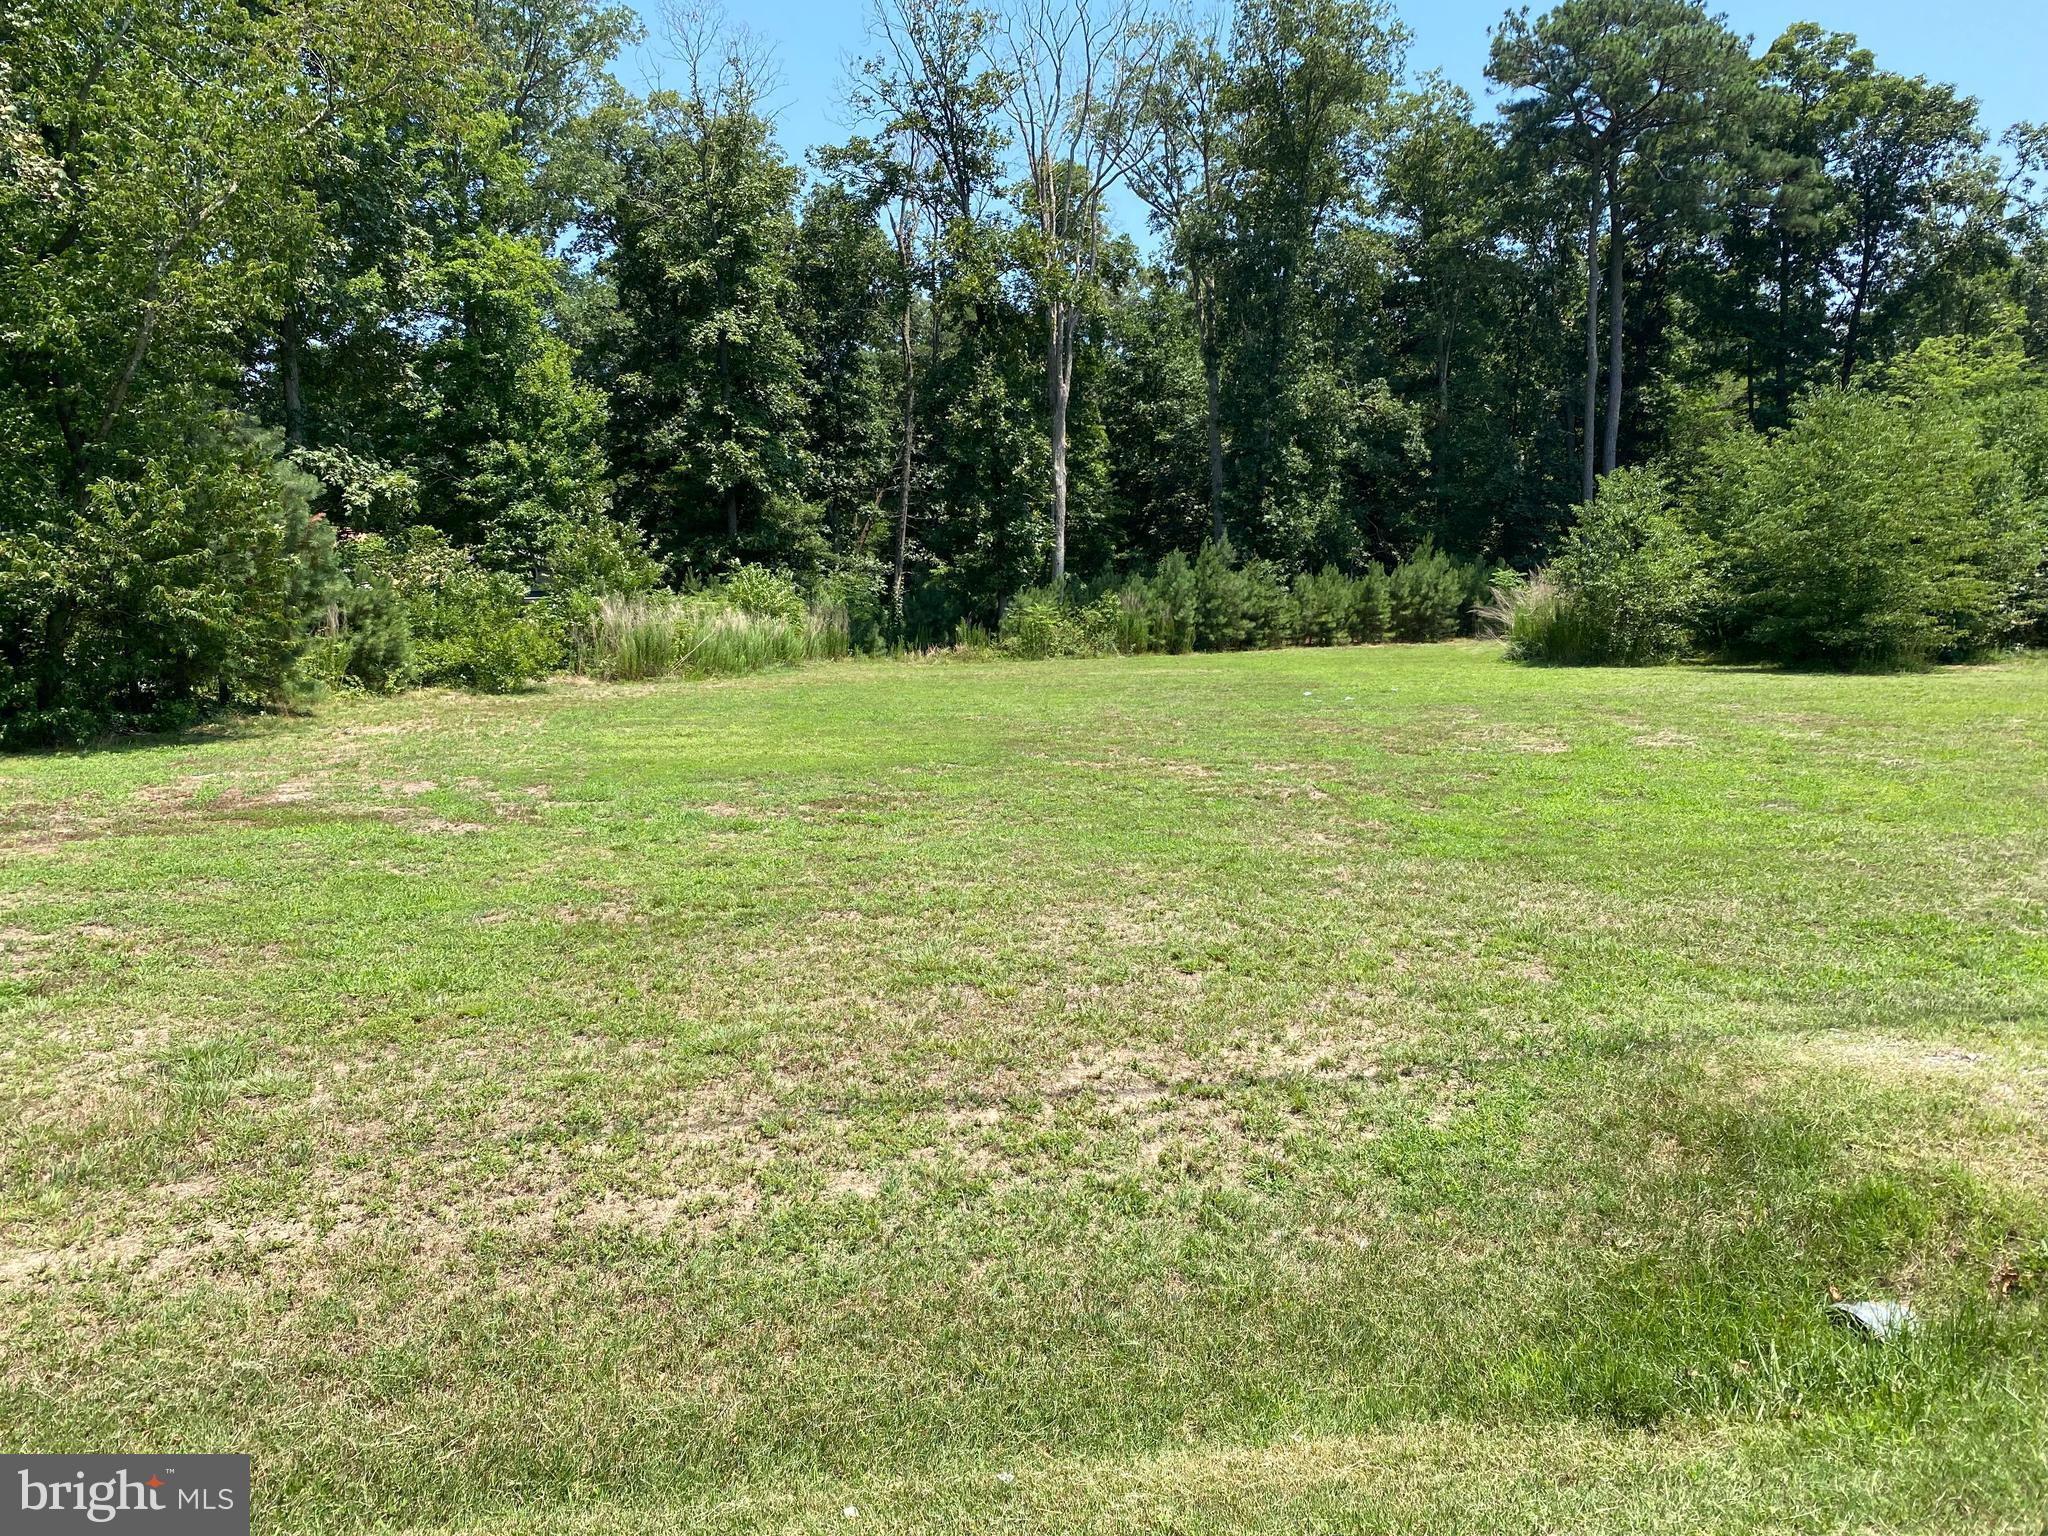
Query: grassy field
1354	1090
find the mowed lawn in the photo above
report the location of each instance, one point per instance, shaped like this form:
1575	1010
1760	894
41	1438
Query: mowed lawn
1359	1090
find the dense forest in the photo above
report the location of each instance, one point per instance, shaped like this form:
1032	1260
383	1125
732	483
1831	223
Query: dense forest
382	340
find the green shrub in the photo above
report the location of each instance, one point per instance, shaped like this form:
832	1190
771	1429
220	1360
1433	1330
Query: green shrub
374	631
757	590
582	562
2015	422
1324	602
1219	600
1331	608
1155	613
1237	607
1043	622
1428	594
598	558
1874	532
1626	587
199	582
469	627
1172	605
1371	607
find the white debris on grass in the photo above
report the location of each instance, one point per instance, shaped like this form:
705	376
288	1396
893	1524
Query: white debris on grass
1879	1319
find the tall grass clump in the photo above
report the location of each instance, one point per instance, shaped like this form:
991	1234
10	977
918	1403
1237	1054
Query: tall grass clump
706	634
828	632
716	641
632	637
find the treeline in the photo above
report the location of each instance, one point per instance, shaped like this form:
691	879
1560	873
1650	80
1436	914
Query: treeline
359	340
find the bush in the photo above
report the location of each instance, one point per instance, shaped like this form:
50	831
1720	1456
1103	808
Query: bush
756	590
599	558
1874	532
582	562
1144	614
199	582
1043	622
1212	604
468	627
1428	594
1237	607
1372	607
1330	608
1323	604
1625	589
372	628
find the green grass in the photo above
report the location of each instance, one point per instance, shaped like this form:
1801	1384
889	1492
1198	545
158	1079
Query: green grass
1353	1090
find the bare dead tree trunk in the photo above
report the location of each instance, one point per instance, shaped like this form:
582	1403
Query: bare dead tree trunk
1076	69
1059	379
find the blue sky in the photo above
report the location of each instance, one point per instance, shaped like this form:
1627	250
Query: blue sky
1996	50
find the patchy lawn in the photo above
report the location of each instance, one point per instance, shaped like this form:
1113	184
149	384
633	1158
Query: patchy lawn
1351	1090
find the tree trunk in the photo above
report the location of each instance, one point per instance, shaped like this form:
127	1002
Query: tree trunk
288	368
1201	288
903	480
1857	302
1058	387
732	498
136	353
1617	250
1588	446
1212	371
1783	377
